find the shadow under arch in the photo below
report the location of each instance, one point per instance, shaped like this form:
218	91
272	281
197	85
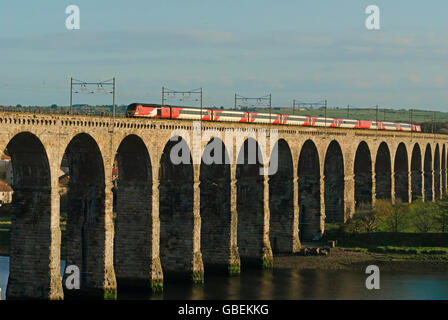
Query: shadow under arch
250	204
281	200
416	172
35	233
334	184
383	182
215	208
176	211
86	227
401	173
444	173
310	214
363	175
133	215
437	173
428	177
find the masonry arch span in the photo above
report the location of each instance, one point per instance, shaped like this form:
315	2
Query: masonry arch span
383	189
132	180
250	203
176	210
215	207
85	239
428	171
334	184
281	199
35	232
401	173
363	175
309	193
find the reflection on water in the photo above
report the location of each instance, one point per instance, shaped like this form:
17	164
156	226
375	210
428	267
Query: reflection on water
290	284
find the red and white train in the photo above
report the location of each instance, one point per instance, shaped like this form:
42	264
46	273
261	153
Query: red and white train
176	112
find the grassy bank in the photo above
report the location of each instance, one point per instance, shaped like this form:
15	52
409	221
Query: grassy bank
357	259
415	233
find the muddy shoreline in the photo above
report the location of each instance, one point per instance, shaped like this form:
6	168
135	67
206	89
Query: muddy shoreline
344	259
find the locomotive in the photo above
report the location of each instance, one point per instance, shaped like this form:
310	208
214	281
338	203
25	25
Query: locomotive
138	110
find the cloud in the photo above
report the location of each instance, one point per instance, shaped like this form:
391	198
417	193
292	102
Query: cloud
414	78
440	82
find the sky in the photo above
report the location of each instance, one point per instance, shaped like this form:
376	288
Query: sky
308	50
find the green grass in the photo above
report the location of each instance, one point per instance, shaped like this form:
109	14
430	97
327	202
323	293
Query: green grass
409	250
356	249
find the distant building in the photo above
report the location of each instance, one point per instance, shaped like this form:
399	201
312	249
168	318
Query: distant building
115	172
5	193
63	183
6	169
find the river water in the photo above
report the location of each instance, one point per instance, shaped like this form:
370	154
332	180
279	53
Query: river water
295	285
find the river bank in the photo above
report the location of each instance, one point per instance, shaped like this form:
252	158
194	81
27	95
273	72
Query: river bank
354	259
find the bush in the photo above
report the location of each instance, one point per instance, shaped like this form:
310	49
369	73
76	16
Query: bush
365	219
441	216
395	216
423	215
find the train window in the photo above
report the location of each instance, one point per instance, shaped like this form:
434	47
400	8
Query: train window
234	115
258	116
297	118
195	112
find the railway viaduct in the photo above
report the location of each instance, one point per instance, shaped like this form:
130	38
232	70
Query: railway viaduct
174	220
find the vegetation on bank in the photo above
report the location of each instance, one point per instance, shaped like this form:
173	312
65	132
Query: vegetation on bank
415	217
417	228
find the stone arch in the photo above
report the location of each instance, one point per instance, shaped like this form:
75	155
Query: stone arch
176	211
334	184
444	173
86	216
35	233
401	173
309	192
437	172
383	184
215	206
363	175
250	203
416	172
281	199
132	180
428	179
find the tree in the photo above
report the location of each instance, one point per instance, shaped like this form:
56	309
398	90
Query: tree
441	216
423	215
393	214
365	219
